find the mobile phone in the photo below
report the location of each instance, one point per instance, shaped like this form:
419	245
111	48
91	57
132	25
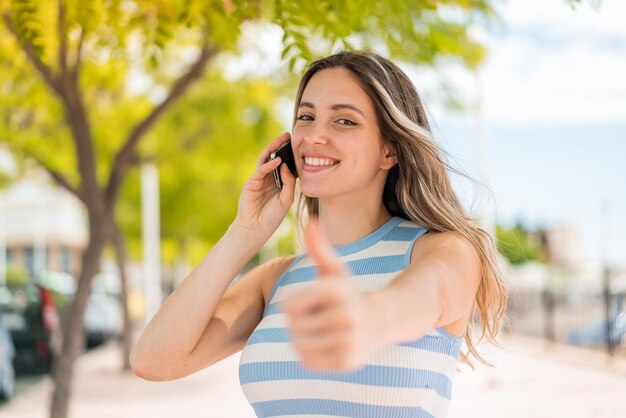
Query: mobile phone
285	152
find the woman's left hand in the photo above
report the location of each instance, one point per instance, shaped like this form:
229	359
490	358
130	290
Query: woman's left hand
333	325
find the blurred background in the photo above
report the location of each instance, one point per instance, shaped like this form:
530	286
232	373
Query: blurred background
129	127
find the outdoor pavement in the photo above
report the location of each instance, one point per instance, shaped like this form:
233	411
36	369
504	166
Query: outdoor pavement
531	379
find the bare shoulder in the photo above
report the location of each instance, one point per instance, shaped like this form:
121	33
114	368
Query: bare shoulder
459	261
274	269
449	243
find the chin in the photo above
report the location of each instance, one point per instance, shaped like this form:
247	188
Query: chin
313	191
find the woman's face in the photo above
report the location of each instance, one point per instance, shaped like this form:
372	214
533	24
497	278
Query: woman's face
336	138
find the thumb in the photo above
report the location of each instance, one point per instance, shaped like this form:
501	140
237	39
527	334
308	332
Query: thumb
327	261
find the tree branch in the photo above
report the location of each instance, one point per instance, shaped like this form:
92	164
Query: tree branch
67	90
26	46
79	51
76	115
59	178
62	38
124	157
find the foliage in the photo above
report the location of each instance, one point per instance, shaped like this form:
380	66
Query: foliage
518	245
205	149
124	44
420	31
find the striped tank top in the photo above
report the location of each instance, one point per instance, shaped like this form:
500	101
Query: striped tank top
407	379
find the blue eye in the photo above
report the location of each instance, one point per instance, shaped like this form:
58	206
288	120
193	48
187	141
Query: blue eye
305	117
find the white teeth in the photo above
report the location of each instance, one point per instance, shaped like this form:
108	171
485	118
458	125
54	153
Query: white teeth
319	161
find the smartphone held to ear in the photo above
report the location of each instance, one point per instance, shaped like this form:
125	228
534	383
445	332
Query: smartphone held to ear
285	152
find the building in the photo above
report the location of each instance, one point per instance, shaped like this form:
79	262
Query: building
562	246
41	228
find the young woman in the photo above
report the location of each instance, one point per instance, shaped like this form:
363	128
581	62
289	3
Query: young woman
370	321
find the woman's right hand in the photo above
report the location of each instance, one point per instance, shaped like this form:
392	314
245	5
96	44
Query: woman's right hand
262	206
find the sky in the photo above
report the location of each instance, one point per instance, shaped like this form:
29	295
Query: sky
550	136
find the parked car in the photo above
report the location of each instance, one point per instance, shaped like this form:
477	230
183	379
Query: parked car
103	313
103	318
29	312
7	372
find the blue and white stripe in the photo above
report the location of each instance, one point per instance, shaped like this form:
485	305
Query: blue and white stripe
410	379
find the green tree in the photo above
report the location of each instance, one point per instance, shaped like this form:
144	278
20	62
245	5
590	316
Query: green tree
65	101
203	163
518	245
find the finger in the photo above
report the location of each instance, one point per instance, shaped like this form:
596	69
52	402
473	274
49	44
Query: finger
266	168
272	146
319	345
327	261
288	177
321	321
289	184
314	298
265	154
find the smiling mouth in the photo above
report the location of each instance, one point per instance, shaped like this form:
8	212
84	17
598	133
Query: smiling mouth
319	162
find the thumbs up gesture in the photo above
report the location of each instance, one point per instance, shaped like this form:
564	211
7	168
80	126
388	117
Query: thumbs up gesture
333	325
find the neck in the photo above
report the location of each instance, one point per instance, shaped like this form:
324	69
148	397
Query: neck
345	223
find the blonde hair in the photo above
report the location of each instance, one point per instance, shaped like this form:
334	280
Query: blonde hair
418	187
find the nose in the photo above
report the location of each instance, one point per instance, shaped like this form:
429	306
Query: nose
315	134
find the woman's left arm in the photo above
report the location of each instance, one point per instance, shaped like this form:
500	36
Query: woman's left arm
436	289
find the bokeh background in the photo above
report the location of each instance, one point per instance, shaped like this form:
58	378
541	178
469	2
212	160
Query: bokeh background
129	127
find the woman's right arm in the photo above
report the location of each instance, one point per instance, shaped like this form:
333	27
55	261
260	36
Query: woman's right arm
204	320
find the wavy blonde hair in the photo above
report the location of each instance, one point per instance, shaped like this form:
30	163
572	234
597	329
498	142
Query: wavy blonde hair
418	187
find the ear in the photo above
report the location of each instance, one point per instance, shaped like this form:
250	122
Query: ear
389	157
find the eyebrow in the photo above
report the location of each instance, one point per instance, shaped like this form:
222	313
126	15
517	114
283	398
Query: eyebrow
334	107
